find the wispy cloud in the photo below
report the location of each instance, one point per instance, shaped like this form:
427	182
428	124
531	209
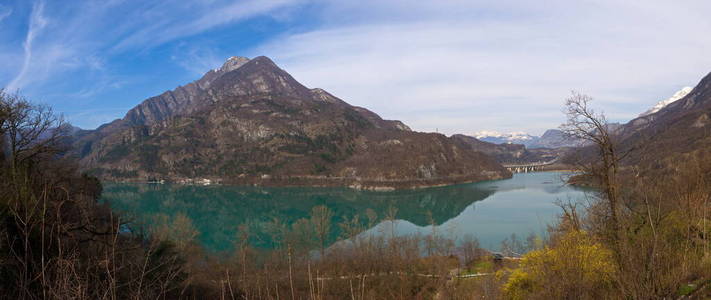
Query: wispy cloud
36	24
88	42
447	65
88	33
503	65
204	17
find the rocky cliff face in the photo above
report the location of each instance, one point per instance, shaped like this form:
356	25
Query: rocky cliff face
250	122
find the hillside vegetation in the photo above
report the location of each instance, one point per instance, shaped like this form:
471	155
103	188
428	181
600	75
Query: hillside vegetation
643	235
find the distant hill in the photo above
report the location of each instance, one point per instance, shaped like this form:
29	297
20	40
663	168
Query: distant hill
512	153
552	138
503	153
505	138
250	122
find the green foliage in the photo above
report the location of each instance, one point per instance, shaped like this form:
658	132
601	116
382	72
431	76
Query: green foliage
481	266
686	289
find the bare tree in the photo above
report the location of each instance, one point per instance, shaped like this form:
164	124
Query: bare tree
470	249
585	123
28	130
321	220
649	253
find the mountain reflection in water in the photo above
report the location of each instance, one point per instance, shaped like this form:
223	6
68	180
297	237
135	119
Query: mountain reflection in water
490	211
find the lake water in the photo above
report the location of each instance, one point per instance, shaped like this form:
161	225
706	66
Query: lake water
491	211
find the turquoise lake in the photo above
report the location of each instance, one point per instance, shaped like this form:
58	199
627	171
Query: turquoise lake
491	211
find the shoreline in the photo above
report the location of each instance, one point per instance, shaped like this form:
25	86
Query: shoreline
379	185
338	182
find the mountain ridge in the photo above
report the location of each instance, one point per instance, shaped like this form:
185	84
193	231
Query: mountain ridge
655	142
250	122
551	138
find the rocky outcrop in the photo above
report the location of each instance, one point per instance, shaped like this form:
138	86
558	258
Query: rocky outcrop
250	122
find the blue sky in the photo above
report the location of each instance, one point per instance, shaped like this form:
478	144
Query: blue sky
447	66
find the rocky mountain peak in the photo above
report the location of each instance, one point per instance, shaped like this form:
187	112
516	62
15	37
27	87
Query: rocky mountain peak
260	75
238	77
233	63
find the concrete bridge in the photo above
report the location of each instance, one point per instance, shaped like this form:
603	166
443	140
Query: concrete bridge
530	167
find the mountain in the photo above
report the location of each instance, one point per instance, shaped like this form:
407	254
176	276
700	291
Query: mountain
508	153
552	138
505	138
655	142
503	153
250	122
679	129
661	104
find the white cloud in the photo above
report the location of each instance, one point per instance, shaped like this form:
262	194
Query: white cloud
440	66
198	18
450	65
36	24
63	38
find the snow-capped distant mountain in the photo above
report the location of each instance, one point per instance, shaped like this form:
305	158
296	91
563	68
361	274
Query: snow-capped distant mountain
506	138
552	138
661	104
